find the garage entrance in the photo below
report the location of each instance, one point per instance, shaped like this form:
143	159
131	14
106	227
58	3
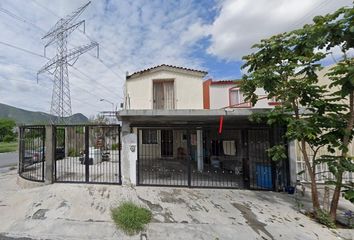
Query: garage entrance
201	157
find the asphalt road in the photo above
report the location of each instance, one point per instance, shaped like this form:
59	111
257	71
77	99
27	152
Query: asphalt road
8	159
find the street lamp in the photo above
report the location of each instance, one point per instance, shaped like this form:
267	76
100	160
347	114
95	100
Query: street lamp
105	100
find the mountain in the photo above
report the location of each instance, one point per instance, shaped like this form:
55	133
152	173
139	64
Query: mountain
22	116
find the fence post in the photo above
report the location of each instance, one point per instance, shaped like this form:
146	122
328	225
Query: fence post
87	154
49	154
190	157
129	155
292	162
20	150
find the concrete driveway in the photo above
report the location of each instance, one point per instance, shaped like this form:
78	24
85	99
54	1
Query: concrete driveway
80	211
8	159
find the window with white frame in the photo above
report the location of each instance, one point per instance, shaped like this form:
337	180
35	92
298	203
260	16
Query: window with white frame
236	97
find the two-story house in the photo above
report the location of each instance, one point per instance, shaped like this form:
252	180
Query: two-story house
184	131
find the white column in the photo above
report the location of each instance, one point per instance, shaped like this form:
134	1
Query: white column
200	150
129	155
292	162
49	154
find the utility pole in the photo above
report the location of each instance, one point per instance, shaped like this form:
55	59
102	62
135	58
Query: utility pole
58	65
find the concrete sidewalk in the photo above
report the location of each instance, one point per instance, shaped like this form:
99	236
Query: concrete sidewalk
80	211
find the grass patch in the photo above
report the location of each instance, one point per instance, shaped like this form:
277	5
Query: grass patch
131	218
8	147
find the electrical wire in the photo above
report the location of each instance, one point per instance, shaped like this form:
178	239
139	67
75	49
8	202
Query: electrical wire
21	49
88	37
11	14
309	13
33	53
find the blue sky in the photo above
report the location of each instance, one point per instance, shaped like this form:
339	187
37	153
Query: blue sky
211	35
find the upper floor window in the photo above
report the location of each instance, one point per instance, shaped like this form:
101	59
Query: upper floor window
163	94
237	98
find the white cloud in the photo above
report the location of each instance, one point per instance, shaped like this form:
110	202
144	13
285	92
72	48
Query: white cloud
132	35
242	23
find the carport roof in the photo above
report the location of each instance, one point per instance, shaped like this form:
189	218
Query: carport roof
186	116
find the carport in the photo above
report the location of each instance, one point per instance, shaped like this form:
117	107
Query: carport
205	148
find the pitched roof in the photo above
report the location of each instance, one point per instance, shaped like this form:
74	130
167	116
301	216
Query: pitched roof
166	66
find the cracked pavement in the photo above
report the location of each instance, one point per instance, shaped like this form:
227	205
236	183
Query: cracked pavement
82	211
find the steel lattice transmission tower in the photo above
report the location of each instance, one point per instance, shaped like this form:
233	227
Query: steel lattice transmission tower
58	65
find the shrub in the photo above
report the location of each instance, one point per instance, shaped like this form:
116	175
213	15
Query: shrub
73	153
324	218
9	138
115	146
131	218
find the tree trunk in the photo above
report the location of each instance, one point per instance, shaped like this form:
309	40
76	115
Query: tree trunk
310	169
311	172
339	177
336	195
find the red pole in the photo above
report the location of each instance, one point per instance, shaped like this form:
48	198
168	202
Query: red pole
221	122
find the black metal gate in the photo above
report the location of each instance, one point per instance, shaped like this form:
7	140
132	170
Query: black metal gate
88	154
201	157
32	152
260	166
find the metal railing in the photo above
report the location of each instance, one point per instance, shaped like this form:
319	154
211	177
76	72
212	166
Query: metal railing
32	152
88	154
80	153
201	157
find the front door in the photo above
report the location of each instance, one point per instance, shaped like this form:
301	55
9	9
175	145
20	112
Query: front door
166	143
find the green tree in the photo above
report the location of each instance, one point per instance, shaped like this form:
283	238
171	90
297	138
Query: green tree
337	30
286	66
7	129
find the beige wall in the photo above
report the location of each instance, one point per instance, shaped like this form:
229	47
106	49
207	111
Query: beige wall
219	96
322	169
188	90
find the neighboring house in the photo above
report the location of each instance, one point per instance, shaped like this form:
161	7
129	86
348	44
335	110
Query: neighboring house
227	94
323	173
177	131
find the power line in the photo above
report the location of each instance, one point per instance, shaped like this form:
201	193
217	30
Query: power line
32	24
46	87
11	14
96	82
33	53
88	37
44	7
304	17
10	45
21	49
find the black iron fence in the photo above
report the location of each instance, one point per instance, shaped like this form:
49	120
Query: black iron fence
81	153
32	152
201	157
88	154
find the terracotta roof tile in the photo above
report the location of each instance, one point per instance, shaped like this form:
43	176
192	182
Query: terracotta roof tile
222	82
165	65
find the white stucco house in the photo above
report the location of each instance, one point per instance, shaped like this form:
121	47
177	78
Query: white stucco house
179	129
